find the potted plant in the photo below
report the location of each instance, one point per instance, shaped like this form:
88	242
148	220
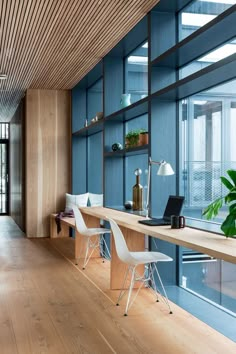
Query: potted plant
132	138
229	224
143	137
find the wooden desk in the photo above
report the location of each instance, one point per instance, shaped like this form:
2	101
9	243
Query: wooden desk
205	242
212	244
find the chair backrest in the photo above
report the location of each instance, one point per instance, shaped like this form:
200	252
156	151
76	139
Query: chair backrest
120	243
79	221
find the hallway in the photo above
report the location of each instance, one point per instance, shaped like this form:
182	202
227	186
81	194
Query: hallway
48	305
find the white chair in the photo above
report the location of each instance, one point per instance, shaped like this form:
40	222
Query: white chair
133	259
88	233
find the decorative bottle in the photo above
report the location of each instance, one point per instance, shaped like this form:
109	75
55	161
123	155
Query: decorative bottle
138	191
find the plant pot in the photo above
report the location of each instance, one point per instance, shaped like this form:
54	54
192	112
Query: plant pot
143	138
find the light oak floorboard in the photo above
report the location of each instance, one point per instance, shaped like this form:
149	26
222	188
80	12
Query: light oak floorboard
49	305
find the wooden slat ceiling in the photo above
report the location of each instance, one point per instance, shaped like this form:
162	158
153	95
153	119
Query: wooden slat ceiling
52	44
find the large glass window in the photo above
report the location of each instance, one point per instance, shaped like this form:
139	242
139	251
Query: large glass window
136	73
208	145
199	13
208	151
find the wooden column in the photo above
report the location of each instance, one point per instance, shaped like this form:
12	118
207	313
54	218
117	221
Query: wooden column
48	157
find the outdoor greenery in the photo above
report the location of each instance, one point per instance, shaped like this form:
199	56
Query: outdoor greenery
229	224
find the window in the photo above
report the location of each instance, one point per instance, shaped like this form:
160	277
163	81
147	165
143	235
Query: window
4	130
208	145
208	150
199	13
136	73
214	56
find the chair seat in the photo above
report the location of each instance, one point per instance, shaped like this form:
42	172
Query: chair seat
148	257
96	231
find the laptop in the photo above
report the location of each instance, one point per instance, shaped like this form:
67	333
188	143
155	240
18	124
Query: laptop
173	207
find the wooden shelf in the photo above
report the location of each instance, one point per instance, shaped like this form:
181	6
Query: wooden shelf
134	110
202	80
91	129
201	41
139	150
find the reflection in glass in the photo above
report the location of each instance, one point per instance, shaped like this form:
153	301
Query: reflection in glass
136	73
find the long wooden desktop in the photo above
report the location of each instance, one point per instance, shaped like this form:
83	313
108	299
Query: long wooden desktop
205	242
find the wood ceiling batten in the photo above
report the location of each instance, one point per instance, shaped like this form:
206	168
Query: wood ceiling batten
104	45
52	44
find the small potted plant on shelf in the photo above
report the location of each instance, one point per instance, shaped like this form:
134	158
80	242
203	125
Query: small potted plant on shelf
143	137
229	224
132	138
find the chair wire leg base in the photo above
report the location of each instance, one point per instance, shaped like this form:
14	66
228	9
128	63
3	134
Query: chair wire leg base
130	291
92	245
146	279
165	297
152	279
123	290
104	250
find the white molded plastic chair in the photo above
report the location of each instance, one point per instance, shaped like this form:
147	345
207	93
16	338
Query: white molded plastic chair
88	233
133	259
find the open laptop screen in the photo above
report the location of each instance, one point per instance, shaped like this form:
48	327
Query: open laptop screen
173	206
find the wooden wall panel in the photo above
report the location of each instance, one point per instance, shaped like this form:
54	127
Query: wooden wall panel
48	157
17	168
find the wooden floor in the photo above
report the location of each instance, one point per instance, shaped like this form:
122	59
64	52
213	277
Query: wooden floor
48	305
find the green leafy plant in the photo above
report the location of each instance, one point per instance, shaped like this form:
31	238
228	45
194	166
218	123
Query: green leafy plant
132	138
229	224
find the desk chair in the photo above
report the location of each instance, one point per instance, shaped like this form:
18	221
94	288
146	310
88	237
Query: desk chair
133	259
88	233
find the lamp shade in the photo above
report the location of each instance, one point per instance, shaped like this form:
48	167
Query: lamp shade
165	169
